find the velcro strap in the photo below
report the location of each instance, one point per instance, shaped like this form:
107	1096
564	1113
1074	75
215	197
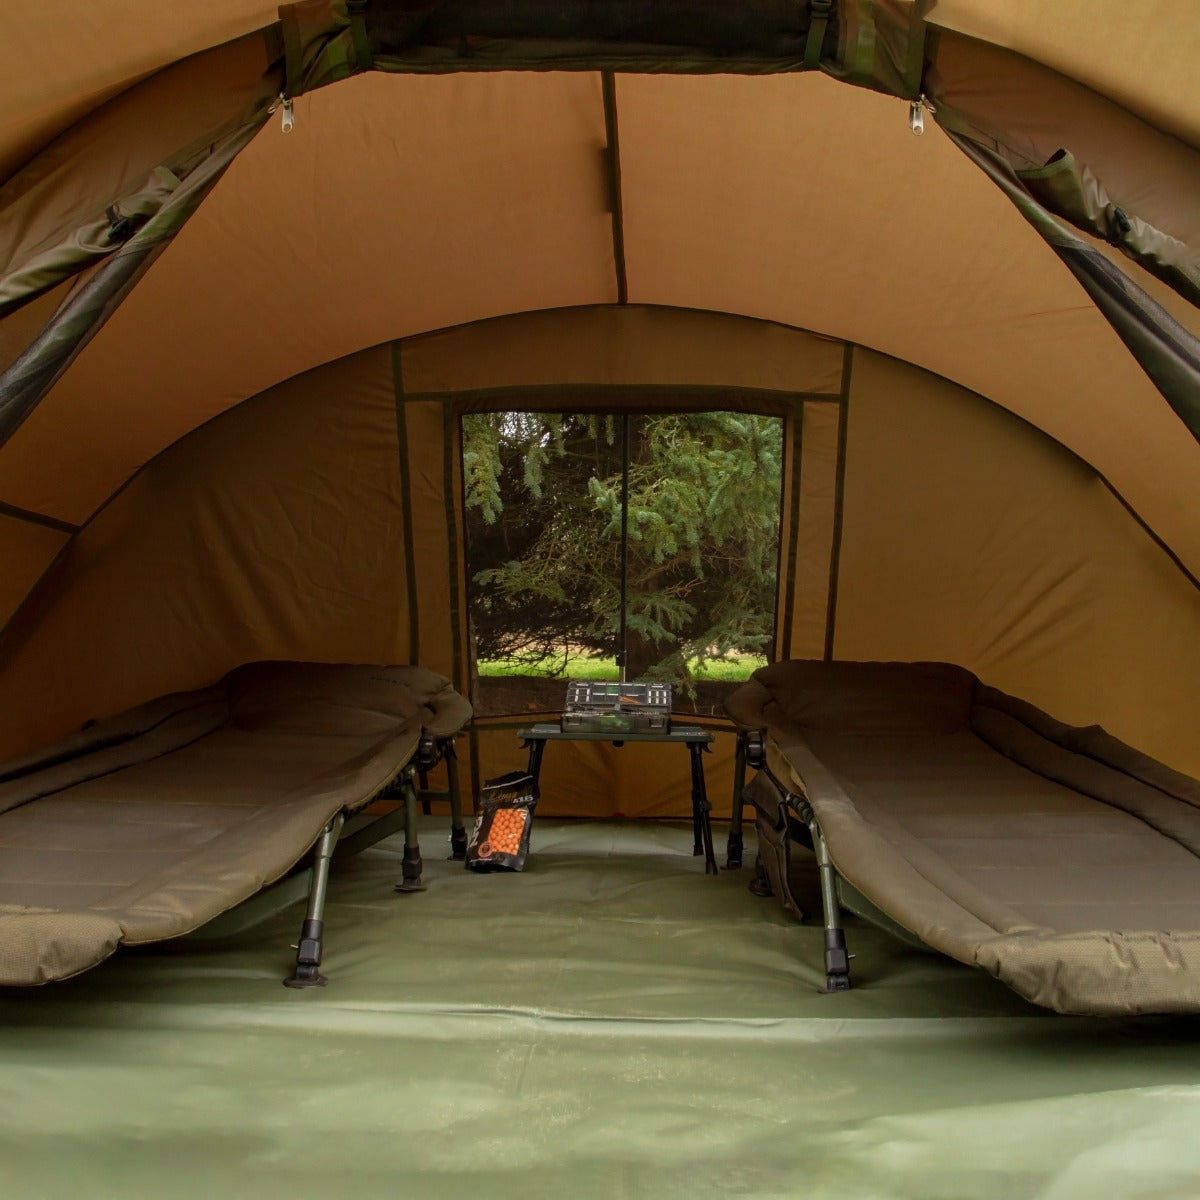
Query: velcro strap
356	10
819	13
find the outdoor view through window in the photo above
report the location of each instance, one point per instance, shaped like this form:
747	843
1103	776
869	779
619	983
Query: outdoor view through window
592	537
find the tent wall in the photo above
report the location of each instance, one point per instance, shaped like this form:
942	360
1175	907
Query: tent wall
319	520
274	532
966	539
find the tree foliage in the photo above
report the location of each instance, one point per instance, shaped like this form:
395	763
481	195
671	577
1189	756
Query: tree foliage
543	495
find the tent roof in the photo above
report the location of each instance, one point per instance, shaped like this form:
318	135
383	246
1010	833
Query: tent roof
790	198
1135	54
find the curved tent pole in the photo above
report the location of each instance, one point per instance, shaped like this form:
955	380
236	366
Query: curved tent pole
1165	350
85	311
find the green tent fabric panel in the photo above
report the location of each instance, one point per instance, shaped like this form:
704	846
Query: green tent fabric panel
609	1023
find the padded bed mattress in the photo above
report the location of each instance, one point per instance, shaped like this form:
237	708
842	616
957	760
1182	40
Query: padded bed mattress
146	825
1057	858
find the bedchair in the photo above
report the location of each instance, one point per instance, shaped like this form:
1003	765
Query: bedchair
149	825
1055	857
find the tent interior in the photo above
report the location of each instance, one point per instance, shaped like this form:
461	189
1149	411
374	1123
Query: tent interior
257	270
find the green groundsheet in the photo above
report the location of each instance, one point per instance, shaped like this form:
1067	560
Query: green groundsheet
611	1023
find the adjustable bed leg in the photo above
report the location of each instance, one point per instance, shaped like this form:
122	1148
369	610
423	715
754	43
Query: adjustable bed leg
411	864
309	948
458	832
837	961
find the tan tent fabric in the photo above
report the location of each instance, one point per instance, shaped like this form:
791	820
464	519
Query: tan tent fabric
965	540
281	528
244	302
436	567
271	293
1040	576
23	326
274	533
813	246
809	549
1145	58
67	59
113	153
631	346
27	549
1120	162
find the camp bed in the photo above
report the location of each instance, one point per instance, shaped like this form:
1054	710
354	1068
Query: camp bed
1057	858
149	825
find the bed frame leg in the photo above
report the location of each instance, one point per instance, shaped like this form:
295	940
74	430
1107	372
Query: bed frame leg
309	948
837	960
411	864
458	831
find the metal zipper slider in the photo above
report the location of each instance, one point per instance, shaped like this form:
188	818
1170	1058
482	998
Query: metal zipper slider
288	116
916	114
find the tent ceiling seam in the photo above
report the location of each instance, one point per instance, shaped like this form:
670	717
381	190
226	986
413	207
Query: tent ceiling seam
612	155
575	391
1179	564
36	518
26	605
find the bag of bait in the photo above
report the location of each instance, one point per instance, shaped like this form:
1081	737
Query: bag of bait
500	841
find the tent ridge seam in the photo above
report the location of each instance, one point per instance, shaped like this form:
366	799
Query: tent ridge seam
37	518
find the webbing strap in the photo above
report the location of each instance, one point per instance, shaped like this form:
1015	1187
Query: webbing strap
356	10
819	11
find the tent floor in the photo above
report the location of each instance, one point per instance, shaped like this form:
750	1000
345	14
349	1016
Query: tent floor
610	1023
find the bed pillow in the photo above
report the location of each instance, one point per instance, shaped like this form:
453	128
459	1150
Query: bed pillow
870	697
331	699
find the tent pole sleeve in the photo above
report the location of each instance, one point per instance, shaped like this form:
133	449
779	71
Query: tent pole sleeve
1163	348
35	372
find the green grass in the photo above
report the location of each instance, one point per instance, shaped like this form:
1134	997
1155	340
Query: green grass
582	666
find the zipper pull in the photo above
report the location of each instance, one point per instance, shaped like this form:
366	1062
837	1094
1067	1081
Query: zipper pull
288	117
916	114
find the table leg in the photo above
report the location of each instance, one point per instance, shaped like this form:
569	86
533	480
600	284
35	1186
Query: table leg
458	831
701	809
733	845
536	748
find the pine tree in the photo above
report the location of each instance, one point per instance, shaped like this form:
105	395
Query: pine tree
543	494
